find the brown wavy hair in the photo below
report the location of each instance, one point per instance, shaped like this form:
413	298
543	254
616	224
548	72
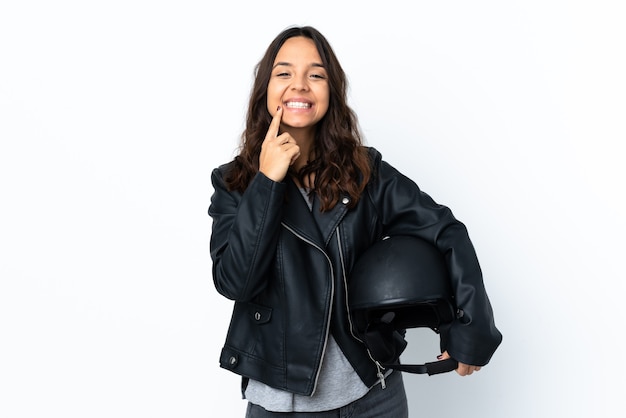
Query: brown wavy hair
341	164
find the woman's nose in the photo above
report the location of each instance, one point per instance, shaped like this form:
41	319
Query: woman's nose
300	83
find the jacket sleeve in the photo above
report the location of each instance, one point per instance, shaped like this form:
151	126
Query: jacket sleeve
406	210
244	235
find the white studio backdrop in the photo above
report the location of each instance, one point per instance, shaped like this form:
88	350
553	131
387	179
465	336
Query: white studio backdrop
113	114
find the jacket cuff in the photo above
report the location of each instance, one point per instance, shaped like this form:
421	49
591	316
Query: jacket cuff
262	181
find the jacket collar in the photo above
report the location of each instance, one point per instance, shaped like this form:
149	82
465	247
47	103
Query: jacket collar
312	224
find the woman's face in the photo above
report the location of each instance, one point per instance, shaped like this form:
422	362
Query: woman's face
299	84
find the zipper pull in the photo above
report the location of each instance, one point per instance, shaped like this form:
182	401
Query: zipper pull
382	380
381	376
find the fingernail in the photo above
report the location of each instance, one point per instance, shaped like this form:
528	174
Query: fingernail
440	356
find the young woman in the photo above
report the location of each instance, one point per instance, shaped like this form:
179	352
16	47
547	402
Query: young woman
291	215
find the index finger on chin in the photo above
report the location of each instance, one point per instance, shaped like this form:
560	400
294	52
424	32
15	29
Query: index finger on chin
272	131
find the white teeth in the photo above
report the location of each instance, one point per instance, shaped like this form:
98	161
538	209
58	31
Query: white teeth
298	105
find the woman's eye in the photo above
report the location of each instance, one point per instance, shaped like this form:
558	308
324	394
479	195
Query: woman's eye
282	75
318	76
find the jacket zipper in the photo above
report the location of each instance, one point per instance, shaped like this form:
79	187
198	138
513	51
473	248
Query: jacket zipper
332	296
379	367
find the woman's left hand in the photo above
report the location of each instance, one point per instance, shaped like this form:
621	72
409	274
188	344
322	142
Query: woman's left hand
462	369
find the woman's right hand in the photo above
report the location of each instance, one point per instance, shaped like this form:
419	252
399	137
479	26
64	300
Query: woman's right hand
463	369
278	152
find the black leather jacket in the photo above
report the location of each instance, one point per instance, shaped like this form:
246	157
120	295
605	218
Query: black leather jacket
287	268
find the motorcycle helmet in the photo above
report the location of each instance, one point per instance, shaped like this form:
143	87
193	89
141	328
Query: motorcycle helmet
398	283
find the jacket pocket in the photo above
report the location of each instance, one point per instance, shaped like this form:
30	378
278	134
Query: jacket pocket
259	314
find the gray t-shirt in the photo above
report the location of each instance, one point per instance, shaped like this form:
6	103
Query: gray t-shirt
338	385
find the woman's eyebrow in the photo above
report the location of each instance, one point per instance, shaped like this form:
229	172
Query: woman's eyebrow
288	64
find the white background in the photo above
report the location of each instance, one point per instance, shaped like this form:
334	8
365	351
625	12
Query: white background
112	115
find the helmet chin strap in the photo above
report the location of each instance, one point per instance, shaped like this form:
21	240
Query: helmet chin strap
386	344
434	367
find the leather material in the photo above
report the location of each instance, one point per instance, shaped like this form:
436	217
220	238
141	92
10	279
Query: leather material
274	256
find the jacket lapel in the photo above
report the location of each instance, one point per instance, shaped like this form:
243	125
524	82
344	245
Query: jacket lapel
298	217
312	224
328	221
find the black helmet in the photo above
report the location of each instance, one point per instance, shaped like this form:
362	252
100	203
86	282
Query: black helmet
398	283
